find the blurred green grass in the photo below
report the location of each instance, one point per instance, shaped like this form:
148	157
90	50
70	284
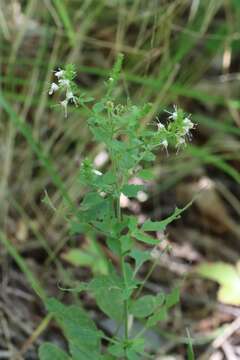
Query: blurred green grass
174	54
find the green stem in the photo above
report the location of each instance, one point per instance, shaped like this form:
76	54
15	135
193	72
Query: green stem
125	303
154	264
119	218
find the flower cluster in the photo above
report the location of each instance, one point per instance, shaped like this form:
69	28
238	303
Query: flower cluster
65	84
177	130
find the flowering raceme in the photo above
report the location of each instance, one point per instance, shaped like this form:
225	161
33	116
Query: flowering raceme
176	131
65	84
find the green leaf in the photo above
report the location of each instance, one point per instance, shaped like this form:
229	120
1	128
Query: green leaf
161	225
173	298
91	199
132	355
114	245
159	315
77	227
143	306
77	289
132	223
79	329
94	207
126	243
146	174
227	276
130	282
116	350
89	257
138	234
106	182
98	107
141	236
138	345
190	352
48	351
79	352
108	292
148	156
131	190
107	357
140	257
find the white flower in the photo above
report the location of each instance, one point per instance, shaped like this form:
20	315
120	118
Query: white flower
64	82
111	79
53	89
188	124
174	114
69	95
96	172
160	125
181	141
60	73
164	143
64	104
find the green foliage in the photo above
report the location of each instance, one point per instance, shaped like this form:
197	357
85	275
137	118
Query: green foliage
108	292
227	276
80	331
87	257
161	225
130	146
143	307
49	352
190	352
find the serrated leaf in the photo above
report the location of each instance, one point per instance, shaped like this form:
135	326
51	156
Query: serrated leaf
79	329
49	351
143	306
108	293
227	276
161	225
131	190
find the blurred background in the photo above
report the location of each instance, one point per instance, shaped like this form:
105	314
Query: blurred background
183	52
